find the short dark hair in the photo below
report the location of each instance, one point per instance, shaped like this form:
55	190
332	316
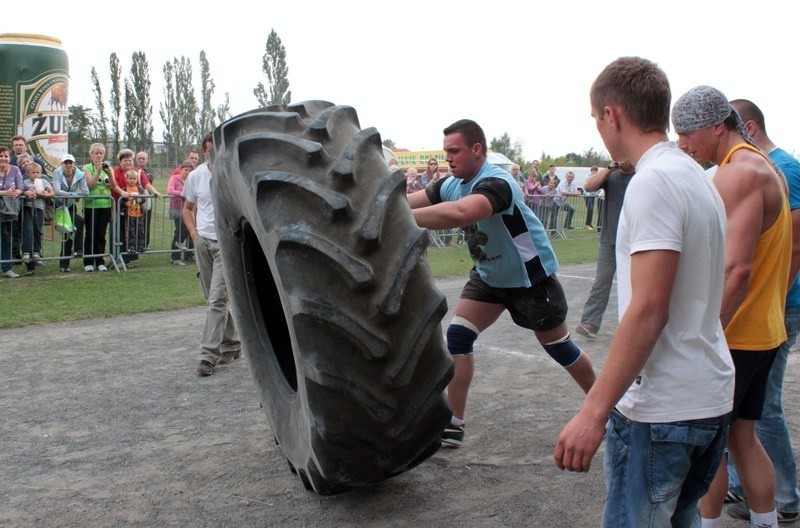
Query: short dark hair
639	87
17	138
208	138
470	130
3	148
748	111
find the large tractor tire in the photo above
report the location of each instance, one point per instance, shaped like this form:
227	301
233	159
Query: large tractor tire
331	292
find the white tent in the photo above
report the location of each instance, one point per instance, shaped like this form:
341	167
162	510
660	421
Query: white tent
495	158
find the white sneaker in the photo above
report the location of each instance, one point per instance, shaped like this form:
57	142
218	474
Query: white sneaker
179	262
26	257
11	275
88	269
102	267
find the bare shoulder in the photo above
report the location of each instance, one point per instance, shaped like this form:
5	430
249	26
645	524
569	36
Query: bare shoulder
751	190
746	172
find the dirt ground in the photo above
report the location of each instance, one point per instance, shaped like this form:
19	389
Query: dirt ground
106	423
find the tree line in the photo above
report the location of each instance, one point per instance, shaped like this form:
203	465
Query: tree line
513	151
122	116
123	112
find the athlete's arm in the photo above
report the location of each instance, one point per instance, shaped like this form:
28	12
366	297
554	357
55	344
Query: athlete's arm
744	207
487	198
447	215
418	199
794	267
652	279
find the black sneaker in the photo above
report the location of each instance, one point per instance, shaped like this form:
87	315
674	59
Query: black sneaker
733	498
787	517
741	510
453	435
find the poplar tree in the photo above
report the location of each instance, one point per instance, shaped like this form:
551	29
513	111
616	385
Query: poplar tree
138	108
207	120
277	72
166	111
179	112
101	123
224	110
116	102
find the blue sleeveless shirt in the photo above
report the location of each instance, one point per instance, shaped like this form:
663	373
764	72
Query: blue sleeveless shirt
510	249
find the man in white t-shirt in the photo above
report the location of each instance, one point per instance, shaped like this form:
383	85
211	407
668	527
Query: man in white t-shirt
667	385
566	189
219	343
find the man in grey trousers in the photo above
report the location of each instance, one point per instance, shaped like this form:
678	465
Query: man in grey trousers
614	181
219	343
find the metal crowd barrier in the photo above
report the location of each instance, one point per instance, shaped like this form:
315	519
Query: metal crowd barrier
163	233
557	217
446	237
160	232
561	214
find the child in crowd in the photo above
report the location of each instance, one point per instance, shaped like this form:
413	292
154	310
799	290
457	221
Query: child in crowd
133	209
36	189
549	206
181	238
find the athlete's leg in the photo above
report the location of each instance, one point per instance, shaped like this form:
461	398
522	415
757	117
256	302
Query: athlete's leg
581	369
470	317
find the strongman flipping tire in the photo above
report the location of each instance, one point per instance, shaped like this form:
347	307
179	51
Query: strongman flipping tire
514	264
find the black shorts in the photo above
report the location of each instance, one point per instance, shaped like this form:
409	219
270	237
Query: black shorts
541	307
752	375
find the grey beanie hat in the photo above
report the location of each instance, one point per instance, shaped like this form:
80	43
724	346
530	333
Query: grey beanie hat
700	107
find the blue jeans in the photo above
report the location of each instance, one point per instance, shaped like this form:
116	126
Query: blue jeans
181	234
570	213
772	430
589	209
656	473
32	222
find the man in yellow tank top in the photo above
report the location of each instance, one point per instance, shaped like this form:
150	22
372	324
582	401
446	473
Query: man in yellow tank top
757	259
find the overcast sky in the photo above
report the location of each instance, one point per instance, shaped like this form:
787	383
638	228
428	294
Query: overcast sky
411	68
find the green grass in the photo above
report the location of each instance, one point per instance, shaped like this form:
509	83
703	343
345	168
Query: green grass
156	285
49	296
580	246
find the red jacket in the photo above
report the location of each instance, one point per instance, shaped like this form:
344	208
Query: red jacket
122	182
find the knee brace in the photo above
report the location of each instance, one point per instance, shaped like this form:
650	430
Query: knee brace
461	335
564	351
